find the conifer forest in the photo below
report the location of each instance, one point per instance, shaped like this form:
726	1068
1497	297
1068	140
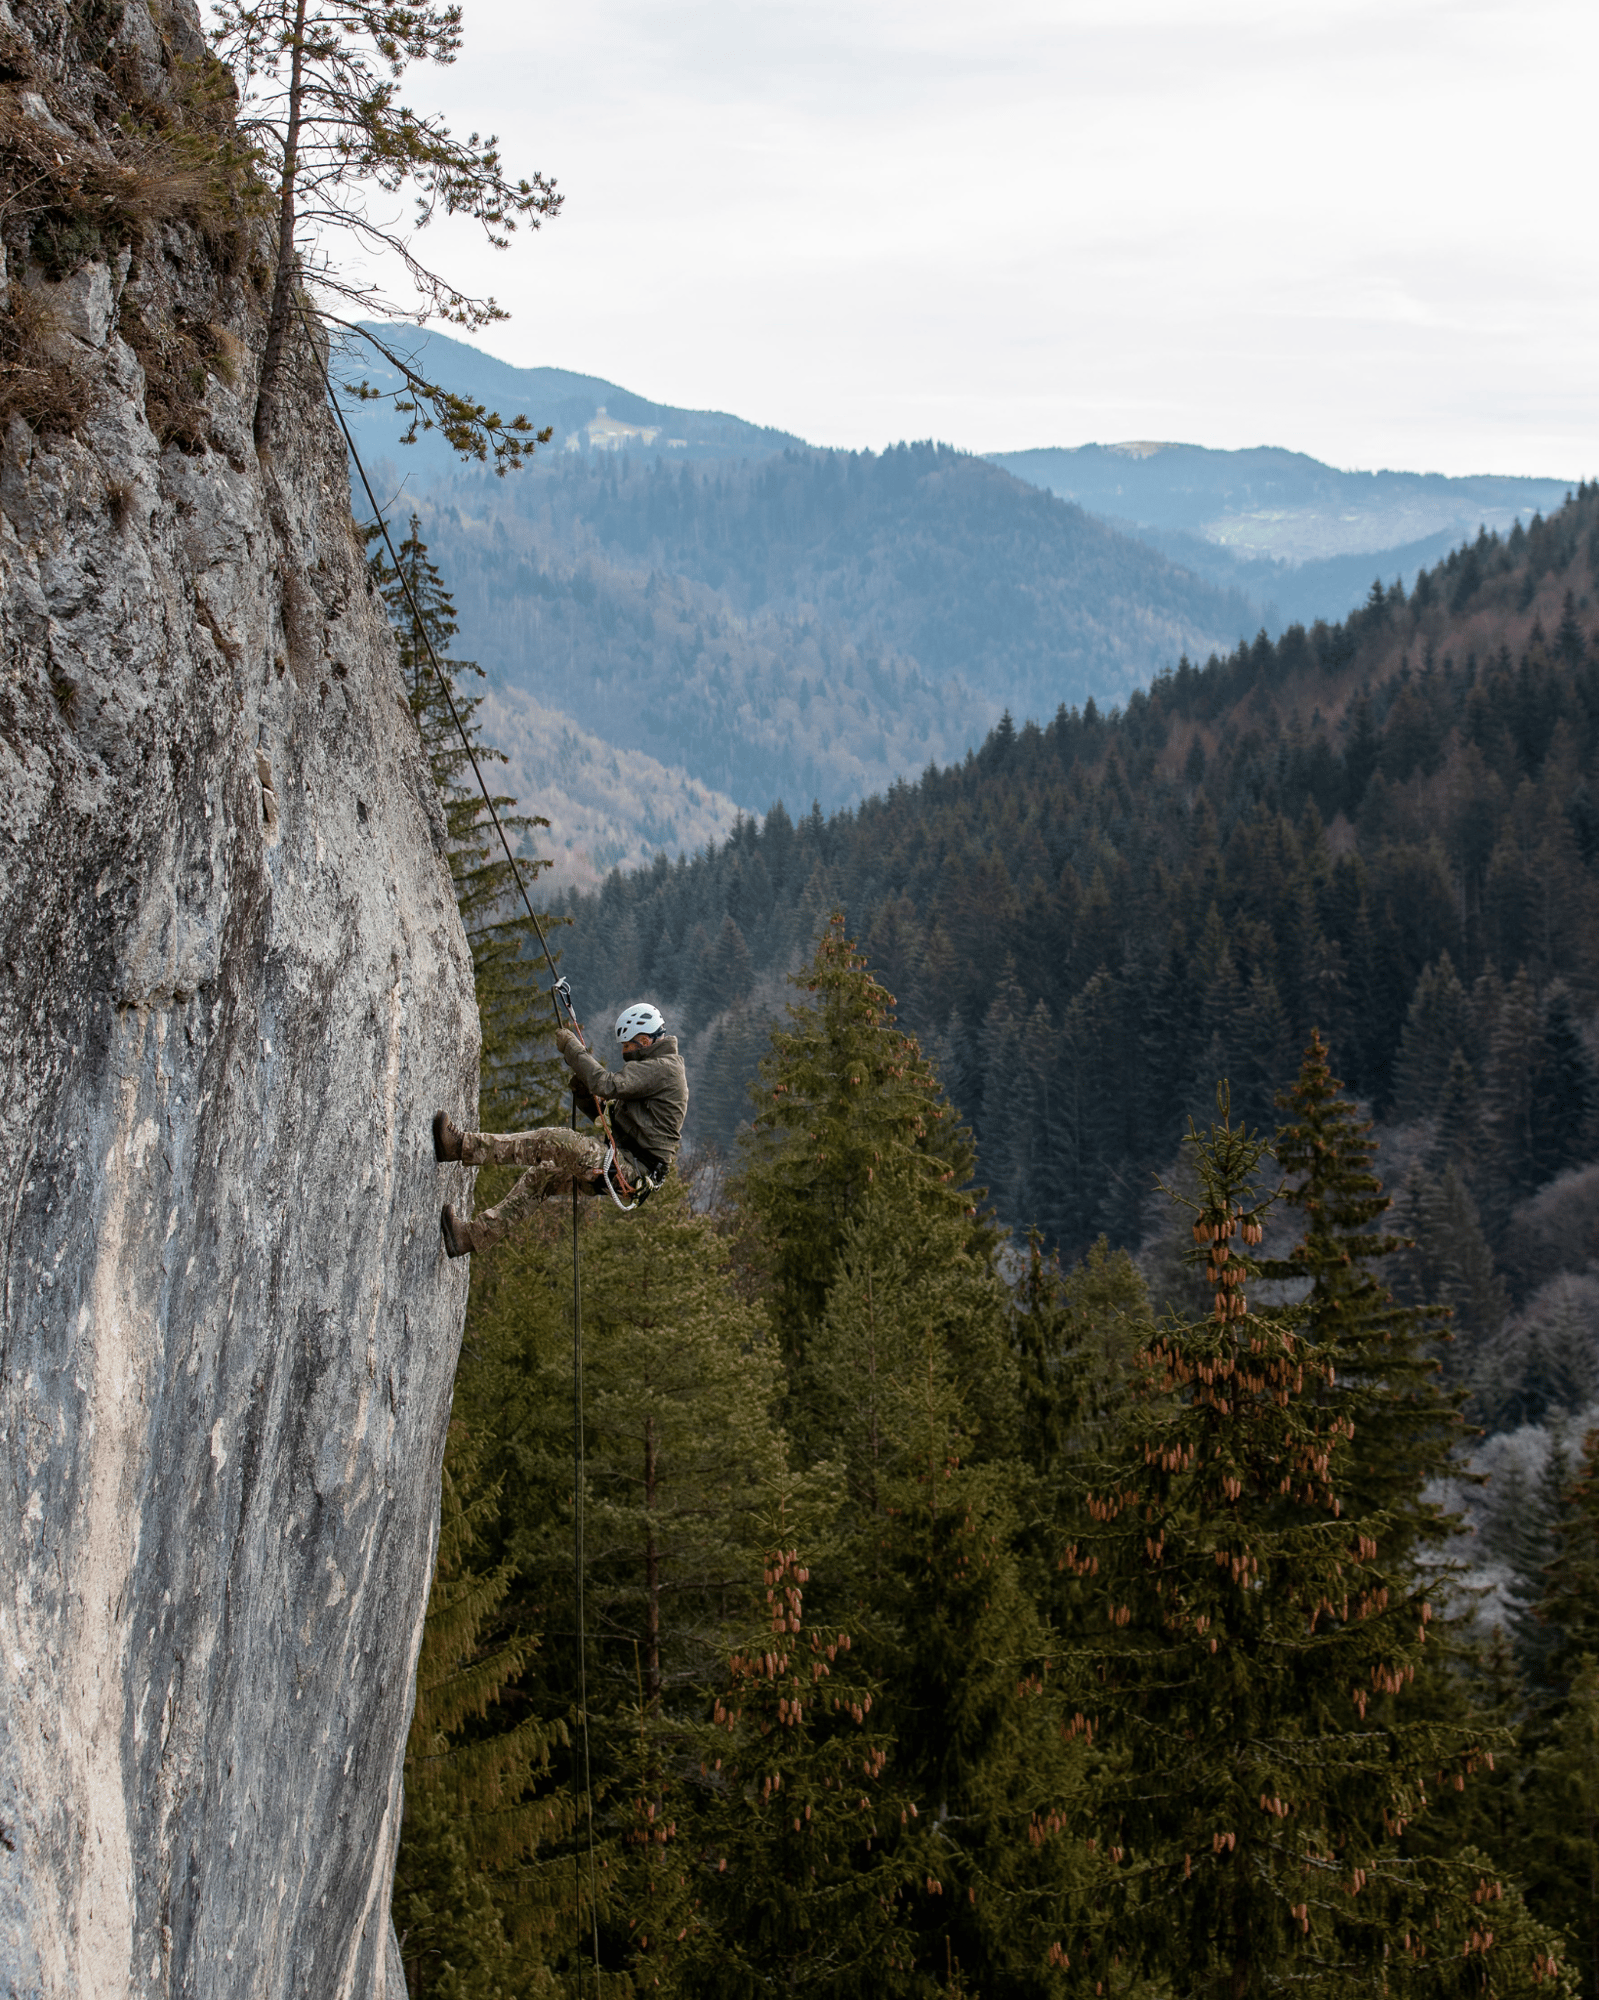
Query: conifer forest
1091	1468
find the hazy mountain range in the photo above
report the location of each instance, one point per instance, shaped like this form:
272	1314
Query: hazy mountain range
1298	536
740	617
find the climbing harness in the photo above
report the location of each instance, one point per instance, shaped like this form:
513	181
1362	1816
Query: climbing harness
627	1194
560	995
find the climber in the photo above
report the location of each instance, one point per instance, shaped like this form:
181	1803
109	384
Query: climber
647	1099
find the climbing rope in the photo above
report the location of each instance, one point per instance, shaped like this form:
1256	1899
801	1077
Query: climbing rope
560	991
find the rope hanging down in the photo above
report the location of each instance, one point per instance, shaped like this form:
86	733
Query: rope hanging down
559	991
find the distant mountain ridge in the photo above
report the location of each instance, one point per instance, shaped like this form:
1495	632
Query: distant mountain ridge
1278	504
569	403
737	610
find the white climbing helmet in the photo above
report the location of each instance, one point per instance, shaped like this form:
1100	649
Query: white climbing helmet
639	1019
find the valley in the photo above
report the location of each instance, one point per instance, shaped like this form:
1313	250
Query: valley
748	619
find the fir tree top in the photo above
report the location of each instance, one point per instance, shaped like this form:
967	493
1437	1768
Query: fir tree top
846	1101
1405	1422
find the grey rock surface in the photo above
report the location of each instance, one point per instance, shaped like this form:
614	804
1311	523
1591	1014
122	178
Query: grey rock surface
233	988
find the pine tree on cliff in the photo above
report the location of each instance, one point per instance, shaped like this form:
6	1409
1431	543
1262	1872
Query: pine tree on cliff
318	90
517	1081
1247	1652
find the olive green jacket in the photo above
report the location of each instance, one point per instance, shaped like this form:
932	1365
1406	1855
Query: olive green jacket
648	1097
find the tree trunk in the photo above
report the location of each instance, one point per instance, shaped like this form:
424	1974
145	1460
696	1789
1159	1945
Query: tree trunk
266	399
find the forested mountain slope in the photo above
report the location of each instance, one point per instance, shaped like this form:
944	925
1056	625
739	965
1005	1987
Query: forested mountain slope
813	624
1090	922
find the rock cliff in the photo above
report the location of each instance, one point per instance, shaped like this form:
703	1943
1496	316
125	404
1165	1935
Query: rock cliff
233	988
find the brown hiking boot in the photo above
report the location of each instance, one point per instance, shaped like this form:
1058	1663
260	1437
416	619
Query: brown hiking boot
446	1138
461	1237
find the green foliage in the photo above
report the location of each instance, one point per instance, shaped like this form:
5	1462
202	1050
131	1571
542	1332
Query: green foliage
967	1664
1404	1425
686	1481
847	1100
1248	1653
1452	1265
1570	1606
808	1848
1076	1334
518	1084
685	1460
1561	1809
471	1762
1524	1534
902	1371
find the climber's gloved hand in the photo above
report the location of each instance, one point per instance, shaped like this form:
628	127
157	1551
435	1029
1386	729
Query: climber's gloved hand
570	1045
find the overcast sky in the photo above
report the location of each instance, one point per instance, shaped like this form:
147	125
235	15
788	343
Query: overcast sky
1366	231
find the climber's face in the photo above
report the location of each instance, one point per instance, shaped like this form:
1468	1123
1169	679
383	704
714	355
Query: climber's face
638	1045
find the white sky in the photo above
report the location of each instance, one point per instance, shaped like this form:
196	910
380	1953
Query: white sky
1366	231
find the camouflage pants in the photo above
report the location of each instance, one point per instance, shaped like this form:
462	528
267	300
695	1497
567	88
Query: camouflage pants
555	1158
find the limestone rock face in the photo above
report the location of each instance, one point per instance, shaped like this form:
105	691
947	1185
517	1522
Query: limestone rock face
233	989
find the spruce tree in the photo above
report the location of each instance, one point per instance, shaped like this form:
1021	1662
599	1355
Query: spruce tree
1560	1807
1487	1814
519	1083
937	1594
1387	1383
1075	1334
1565	1095
808	1845
684	1453
845	1098
1570	1605
1526	1536
1437	1027
1248	1646
465	1901
1515	1058
653	1866
1459	1140
903	1376
1451	1265
684	1466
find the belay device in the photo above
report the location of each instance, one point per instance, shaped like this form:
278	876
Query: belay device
627	1194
